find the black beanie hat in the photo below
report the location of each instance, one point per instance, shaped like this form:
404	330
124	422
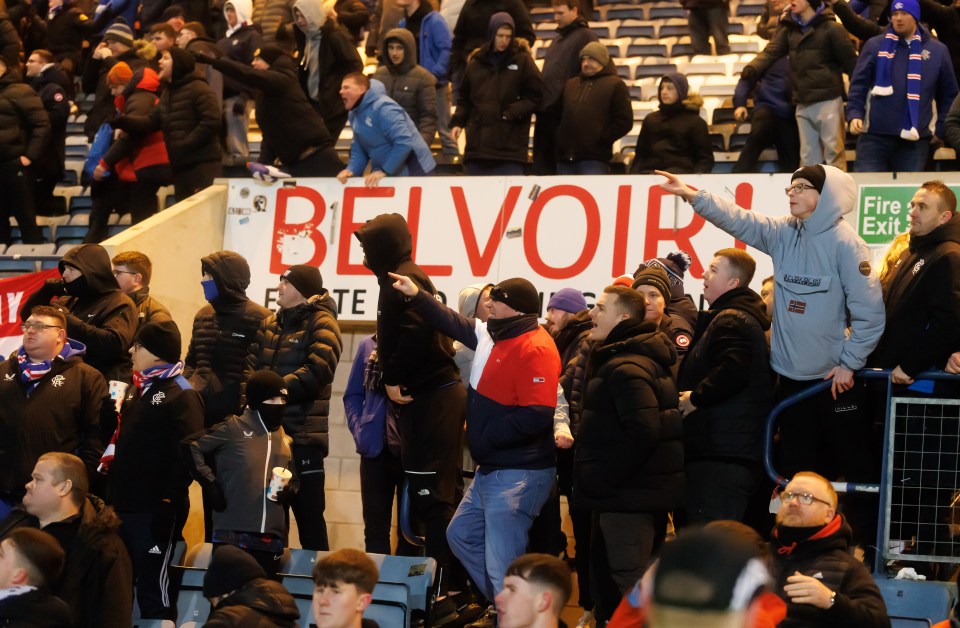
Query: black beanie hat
656	277
230	568
269	53
816	175
162	339
263	385
519	294
306	279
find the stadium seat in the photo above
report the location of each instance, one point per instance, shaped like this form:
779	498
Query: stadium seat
80	204
665	11
654	70
749	9
626	12
646	49
636	28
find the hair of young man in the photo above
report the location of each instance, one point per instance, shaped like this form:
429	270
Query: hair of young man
358	78
69	467
570	4
39	554
546	571
168	31
45	55
831	492
629	300
48	311
137	262
346	566
741	263
947	197
767	280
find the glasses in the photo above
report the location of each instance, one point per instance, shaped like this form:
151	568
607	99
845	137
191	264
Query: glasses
28	326
798	188
804	498
124	272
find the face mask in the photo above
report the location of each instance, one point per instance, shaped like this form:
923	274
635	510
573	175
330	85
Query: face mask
271	414
210	291
77	287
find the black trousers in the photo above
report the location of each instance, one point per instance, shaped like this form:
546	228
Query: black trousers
190	180
16	201
381	480
335	125
112	194
324	162
718	490
310	501
766	129
623	546
545	142
150	542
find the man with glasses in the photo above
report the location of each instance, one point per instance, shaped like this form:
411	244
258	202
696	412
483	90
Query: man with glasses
823	278
51	402
816	575
133	271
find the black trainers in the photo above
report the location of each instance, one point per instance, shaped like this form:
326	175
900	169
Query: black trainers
487	620
444	611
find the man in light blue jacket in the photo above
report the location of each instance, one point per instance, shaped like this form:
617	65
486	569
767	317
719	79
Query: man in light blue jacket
828	310
383	134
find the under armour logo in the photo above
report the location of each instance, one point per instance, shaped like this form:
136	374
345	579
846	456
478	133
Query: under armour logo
305	462
157	398
58	380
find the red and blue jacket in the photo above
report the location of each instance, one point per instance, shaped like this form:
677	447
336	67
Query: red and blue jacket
513	387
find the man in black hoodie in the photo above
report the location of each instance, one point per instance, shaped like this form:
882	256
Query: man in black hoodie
98	313
727	392
629	458
420	376
241	594
302	343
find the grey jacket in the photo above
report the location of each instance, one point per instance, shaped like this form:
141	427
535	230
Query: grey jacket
822	270
245	454
412	86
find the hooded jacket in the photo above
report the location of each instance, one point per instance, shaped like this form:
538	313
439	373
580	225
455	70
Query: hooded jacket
97	578
727	370
24	126
261	603
596	113
57	415
433	44
410	85
820	53
34	609
303	345
244	453
101	317
922	297
336	57
54	88
822	271
885	115
562	61
411	353
675	138
629	454
467	306
471	30
289	123
188	114
512	394
386	137
773	91
239	45
828	552
223	331
499	93
95	81
128	154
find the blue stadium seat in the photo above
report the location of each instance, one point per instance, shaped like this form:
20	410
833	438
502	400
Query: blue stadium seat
637	30
666	12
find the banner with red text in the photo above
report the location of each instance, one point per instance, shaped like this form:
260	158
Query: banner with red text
557	232
13	291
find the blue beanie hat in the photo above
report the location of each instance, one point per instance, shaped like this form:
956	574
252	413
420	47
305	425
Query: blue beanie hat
568	300
910	6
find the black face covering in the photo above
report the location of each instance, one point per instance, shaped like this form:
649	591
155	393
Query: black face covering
77	287
271	414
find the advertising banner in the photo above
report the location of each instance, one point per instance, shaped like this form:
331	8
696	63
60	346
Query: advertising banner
13	291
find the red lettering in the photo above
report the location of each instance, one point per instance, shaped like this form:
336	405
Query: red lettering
309	228
622	231
681	235
348	225
413	221
591	238
480	262
744	198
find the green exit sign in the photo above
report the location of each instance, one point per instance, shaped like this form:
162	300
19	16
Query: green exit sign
884	211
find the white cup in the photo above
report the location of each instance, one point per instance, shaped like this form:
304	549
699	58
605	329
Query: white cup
281	477
117	391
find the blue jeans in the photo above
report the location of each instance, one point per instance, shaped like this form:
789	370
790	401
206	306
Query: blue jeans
489	529
887	153
585	166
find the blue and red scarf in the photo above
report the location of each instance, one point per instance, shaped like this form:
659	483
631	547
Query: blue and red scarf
883	85
143	379
32	372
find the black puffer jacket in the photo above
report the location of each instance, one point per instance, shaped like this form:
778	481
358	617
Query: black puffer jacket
829	558
271	15
411	353
410	84
223	331
102	317
65	33
470	31
95	81
498	96
675	139
562	60
289	123
24	125
922	297
303	345
596	113
34	609
261	603
188	114
9	41
727	368
148	308
573	344
629	455
54	87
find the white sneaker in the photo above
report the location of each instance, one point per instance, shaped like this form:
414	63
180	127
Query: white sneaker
587	620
